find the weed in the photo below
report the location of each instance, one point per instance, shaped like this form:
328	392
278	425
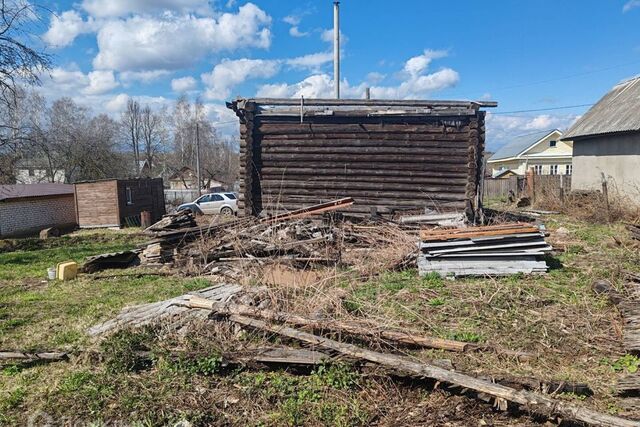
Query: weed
206	366
11	370
14	399
466	337
435	302
335	375
122	350
628	363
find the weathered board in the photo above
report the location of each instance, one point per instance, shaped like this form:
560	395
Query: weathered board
390	156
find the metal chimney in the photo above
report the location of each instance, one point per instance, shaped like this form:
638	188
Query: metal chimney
336	47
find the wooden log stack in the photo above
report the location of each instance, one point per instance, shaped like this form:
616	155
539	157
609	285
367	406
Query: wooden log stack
389	156
483	251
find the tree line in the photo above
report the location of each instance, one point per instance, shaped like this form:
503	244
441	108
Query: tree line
67	139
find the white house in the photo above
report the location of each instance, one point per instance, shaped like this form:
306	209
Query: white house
544	151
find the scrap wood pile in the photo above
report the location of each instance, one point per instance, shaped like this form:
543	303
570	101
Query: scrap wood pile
229	304
634	229
492	250
301	238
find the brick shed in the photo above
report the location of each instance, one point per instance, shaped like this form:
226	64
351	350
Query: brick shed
26	209
389	155
118	202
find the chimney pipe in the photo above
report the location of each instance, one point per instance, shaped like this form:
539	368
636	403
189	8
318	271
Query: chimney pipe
336	48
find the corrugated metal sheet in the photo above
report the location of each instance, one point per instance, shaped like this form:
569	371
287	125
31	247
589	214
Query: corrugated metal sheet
617	111
17	191
519	144
388	155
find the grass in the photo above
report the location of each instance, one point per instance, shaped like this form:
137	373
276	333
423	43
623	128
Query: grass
184	377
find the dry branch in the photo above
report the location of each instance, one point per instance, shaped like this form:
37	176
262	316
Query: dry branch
535	402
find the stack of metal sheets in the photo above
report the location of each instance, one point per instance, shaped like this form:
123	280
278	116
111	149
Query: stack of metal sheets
495	250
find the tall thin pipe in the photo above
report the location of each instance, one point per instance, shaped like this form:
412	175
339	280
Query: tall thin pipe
336	48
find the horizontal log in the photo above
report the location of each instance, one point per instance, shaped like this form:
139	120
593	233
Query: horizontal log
359	151
274	179
363	197
351	186
377	136
298	128
361	170
447	141
359	158
417	167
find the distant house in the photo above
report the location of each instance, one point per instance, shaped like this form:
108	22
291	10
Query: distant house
145	168
544	151
28	208
607	142
118	202
186	179
34	171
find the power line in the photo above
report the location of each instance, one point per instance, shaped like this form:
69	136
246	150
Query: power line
542	109
585	73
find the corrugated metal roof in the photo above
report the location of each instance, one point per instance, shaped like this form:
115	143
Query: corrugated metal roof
617	111
17	191
519	144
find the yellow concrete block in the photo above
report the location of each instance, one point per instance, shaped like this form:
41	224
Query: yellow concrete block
67	270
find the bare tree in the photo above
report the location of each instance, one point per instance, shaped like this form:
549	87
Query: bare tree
19	63
154	133
132	125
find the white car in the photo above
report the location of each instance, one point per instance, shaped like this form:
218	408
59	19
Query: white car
213	204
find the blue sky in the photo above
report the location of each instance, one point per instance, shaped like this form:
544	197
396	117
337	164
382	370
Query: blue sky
527	55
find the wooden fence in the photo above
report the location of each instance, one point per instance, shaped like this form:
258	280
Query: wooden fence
543	186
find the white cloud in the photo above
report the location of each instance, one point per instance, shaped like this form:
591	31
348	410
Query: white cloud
117	103
374	77
311	61
64	28
174	41
116	8
100	81
295	32
418	64
230	73
143	76
502	128
183	84
292	19
415	83
631	4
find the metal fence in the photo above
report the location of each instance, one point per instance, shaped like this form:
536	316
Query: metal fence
177	197
543	185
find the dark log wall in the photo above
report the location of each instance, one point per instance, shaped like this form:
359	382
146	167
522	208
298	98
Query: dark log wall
147	195
390	163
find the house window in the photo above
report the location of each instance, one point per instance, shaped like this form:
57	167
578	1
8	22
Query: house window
552	143
568	169
553	170
537	169
32	172
129	196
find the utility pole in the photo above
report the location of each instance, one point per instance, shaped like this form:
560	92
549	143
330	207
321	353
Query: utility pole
198	160
336	47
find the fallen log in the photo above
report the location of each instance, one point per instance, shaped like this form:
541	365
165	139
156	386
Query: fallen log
23	355
353	328
535	402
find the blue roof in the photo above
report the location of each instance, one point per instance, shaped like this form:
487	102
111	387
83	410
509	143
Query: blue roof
520	144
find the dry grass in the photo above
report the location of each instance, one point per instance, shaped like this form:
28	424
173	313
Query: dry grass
573	334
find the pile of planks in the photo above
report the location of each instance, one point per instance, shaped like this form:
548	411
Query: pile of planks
223	303
181	219
478	251
634	230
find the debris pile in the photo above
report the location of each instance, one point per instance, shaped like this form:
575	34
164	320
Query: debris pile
481	251
634	229
181	219
226	303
